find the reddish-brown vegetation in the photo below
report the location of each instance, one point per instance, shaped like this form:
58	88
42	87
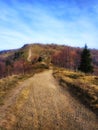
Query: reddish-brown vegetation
15	61
68	57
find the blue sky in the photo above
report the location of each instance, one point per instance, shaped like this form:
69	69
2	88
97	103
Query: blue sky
69	22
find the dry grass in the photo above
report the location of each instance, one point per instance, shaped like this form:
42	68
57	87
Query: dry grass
9	83
83	87
40	103
6	85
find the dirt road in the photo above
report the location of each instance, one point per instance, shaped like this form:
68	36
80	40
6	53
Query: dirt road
41	104
29	54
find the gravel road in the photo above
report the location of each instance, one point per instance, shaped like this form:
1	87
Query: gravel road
40	103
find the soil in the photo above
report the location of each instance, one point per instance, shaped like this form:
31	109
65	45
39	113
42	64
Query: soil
40	103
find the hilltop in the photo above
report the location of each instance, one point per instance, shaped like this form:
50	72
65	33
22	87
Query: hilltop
41	50
59	55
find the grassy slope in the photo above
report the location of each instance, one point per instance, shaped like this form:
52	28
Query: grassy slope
83	87
37	50
8	84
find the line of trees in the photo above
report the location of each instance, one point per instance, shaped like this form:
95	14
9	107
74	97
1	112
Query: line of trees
9	67
74	59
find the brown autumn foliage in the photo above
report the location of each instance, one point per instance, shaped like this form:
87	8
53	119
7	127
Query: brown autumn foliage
60	55
17	67
68	58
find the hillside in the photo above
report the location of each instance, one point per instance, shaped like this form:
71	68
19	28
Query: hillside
29	54
36	94
40	102
82	86
36	49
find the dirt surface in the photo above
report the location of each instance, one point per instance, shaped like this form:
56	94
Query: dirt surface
29	54
39	103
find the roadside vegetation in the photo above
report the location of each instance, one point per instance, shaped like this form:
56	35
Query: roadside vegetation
82	86
7	84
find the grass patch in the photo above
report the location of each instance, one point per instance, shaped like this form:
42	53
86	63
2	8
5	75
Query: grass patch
10	82
21	99
6	85
81	86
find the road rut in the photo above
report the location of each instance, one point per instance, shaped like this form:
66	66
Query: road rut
46	105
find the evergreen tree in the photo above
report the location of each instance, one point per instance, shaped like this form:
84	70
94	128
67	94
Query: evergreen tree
86	61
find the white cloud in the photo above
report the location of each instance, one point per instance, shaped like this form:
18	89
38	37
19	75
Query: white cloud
26	22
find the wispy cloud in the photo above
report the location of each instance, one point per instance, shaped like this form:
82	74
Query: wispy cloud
64	22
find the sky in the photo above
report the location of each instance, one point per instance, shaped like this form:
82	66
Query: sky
69	22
